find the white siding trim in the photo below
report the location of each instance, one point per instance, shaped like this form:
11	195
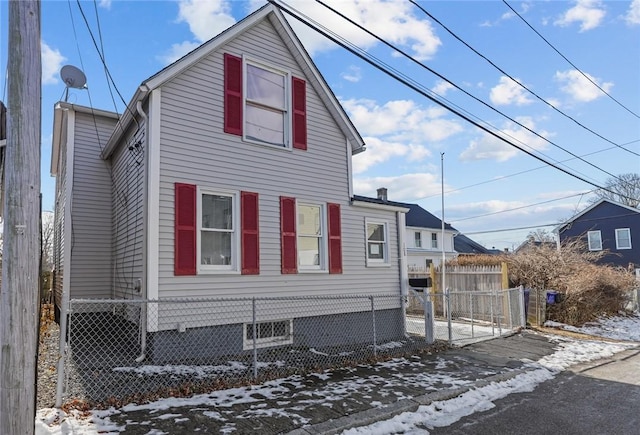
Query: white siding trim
68	226
377	206
402	254
349	167
153	194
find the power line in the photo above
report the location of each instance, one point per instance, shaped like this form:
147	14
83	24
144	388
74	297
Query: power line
411	58
113	100
517	82
586	76
387	70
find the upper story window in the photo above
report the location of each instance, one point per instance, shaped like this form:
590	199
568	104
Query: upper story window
264	104
266	114
418	239
594	239
311	240
217	231
623	238
434	240
377	243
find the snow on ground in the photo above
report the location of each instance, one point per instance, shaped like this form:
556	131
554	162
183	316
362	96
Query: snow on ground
618	328
438	414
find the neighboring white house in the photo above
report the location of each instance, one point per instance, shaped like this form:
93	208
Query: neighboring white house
228	175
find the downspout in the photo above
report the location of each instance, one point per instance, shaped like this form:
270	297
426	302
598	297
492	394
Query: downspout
404	273
143	289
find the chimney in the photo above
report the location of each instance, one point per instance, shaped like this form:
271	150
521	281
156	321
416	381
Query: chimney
382	193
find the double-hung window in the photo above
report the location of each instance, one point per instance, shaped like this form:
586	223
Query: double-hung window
310	237
266	109
217	231
418	239
434	240
377	243
623	238
594	239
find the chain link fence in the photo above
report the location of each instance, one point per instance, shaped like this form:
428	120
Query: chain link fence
137	350
465	316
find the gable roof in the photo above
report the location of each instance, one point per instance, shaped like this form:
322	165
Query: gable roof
464	245
282	27
591	207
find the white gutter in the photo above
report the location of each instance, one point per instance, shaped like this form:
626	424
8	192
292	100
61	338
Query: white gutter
143	289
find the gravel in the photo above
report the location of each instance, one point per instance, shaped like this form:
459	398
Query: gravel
47	359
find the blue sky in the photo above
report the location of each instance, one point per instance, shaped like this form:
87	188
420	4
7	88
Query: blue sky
489	185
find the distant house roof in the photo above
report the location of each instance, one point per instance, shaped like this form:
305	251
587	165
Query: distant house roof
419	217
527	244
464	245
562	226
379	201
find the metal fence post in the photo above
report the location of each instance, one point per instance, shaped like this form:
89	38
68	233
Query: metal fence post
499	312
510	309
428	319
448	298
65	318
471	313
373	319
523	314
255	347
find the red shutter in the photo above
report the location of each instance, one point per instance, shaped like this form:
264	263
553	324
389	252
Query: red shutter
335	238
289	254
232	94
250	233
185	229
299	113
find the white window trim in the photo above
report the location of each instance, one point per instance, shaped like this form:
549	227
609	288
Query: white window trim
247	344
417	239
589	240
324	250
288	98
628	231
373	262
234	267
431	241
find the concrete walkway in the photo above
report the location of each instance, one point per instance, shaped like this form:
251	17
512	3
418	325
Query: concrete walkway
332	401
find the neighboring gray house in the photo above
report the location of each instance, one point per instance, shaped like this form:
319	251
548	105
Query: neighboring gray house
228	175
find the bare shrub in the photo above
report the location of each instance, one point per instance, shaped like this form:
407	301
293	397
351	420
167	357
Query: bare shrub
477	260
589	290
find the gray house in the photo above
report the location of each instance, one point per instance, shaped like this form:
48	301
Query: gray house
228	176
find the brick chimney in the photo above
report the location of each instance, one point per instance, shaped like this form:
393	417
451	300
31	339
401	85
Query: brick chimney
382	193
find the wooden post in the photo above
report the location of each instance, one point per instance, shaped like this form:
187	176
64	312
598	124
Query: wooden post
20	266
505	275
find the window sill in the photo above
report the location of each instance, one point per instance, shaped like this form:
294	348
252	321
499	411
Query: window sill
378	264
311	271
218	272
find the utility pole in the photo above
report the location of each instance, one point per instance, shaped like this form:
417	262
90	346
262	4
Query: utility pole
21	256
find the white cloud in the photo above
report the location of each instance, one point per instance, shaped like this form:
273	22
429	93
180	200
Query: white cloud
403	188
488	147
178	50
379	151
205	18
105	4
579	87
589	13
401	120
52	61
398	24
633	14
509	92
353	74
442	87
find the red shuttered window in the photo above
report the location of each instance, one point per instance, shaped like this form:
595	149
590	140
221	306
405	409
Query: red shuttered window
250	233
289	255
335	238
232	94
185	229
299	113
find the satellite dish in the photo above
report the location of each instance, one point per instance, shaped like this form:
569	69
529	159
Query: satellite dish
72	77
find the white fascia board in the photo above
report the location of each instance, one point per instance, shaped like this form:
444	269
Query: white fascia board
387	207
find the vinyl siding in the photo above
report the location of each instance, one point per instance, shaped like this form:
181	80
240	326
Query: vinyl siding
90	275
194	149
128	191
